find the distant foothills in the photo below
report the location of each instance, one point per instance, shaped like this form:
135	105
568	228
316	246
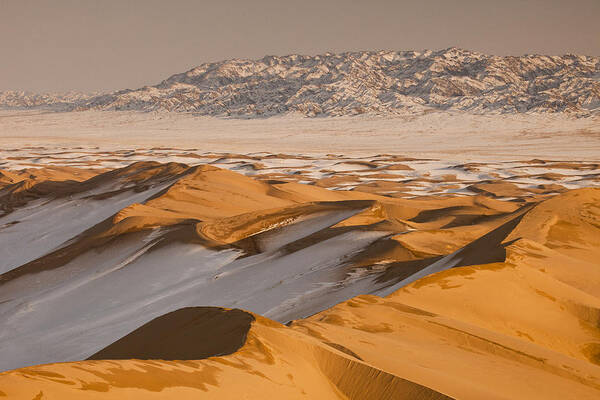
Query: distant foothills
383	83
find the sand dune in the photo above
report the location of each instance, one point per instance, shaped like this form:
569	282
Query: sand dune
513	178
491	293
185	334
274	360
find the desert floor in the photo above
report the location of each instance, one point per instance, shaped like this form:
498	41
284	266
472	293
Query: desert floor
431	257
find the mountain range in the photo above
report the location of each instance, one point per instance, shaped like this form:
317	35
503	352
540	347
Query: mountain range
367	82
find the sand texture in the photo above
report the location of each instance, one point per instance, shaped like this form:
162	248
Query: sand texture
236	275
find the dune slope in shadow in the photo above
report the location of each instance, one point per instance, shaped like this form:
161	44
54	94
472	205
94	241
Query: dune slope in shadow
191	333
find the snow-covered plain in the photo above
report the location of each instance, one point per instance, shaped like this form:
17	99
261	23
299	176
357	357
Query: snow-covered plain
459	136
294	148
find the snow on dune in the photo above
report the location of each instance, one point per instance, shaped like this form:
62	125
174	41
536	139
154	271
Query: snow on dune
75	310
46	225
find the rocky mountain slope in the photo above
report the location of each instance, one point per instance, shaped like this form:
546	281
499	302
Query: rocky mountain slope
13	99
383	82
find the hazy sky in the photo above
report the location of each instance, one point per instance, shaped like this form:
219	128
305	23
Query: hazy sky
58	45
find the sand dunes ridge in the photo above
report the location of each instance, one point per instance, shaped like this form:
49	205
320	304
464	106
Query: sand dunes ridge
268	357
513	299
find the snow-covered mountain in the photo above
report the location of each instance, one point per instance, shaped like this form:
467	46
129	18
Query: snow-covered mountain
383	82
55	101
